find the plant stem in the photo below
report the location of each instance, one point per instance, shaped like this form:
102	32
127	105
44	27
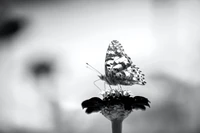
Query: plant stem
117	125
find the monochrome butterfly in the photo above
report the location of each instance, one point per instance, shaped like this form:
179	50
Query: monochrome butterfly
119	68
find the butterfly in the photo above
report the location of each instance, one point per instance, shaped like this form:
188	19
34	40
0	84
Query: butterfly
119	68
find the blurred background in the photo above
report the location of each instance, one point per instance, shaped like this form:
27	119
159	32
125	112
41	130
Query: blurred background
44	45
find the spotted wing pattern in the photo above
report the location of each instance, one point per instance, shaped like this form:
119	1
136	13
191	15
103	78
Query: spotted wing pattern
119	68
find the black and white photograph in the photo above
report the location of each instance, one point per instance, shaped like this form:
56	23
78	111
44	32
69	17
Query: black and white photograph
99	66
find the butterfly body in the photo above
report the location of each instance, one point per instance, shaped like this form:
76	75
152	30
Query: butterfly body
119	69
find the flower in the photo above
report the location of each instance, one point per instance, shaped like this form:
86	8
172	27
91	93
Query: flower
116	104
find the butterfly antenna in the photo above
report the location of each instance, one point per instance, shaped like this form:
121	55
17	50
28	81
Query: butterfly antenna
92	68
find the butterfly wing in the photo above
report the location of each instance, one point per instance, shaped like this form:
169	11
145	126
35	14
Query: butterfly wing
129	76
119	68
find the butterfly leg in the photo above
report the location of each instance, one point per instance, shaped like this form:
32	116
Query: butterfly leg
119	87
96	85
104	85
110	87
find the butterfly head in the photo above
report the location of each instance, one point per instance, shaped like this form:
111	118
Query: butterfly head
102	77
107	80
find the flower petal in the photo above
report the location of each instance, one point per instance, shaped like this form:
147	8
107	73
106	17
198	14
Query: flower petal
93	104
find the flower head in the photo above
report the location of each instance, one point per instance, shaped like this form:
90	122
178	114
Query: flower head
116	104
